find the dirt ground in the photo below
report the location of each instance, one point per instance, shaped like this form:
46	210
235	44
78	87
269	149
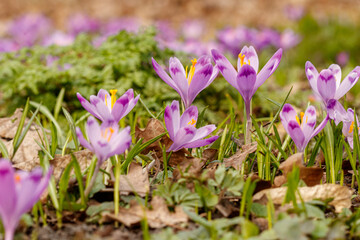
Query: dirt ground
216	13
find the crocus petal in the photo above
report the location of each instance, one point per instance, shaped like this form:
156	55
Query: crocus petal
102	109
312	75
225	67
82	140
30	190
177	73
296	135
250	56
204	131
348	82
183	136
104	95
336	70
309	121
287	114
8	197
214	74
121	142
268	69
189	114
202	62
124	105
172	119
165	77
201	142
326	85
246	80
88	107
93	130
198	83
336	111
320	127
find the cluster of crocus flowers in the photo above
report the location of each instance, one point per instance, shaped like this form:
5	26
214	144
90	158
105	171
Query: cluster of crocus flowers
327	84
20	191
105	106
301	129
188	82
182	129
246	79
105	140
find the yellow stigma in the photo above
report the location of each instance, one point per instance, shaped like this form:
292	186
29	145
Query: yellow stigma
191	72
242	59
301	119
105	134
192	122
351	129
113	97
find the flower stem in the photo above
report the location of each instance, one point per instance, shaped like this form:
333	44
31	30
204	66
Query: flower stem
92	181
9	234
248	122
116	188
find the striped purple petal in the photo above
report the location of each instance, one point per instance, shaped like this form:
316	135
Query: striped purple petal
287	114
246	80
183	136
348	82
326	85
225	67
165	77
268	69
199	82
250	57
296	135
336	70
312	75
172	119
189	117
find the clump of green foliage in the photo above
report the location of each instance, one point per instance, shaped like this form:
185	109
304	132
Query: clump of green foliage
122	62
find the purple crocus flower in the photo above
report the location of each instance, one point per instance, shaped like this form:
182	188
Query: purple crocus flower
327	84
19	192
105	140
348	126
182	130
302	129
246	79
104	106
188	83
339	114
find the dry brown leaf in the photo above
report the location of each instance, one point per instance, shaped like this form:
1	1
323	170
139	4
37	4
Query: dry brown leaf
237	159
153	129
310	175
158	217
8	126
136	180
341	195
59	163
27	154
192	166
